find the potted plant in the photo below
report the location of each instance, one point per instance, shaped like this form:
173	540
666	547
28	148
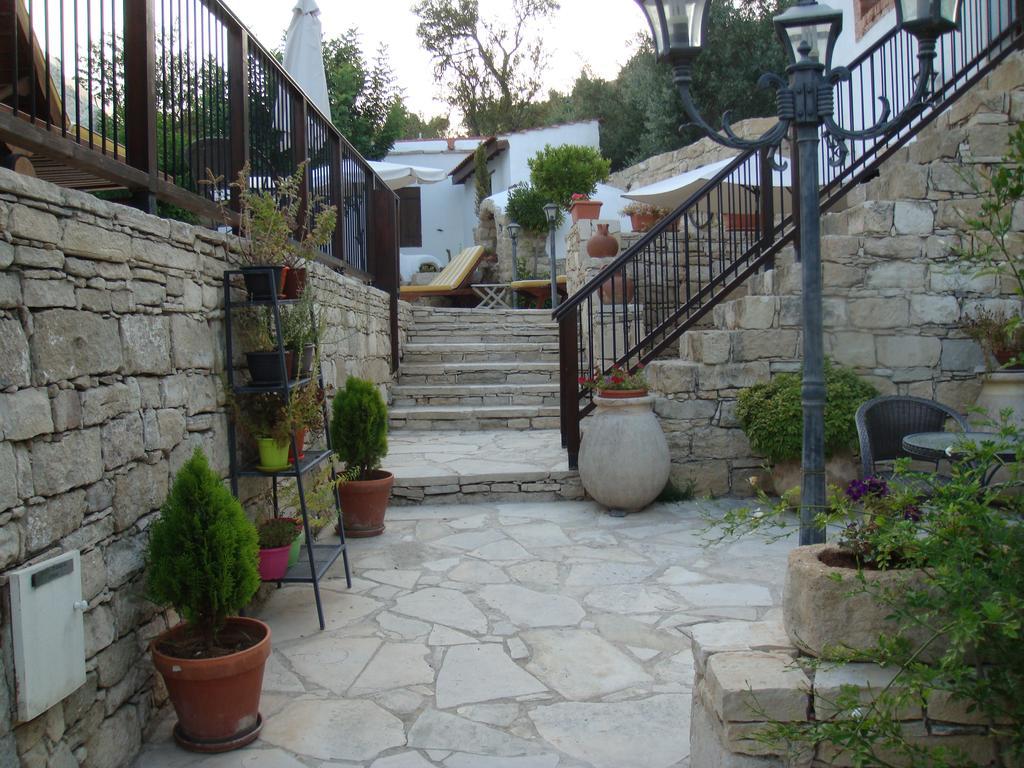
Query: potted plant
295	549
301	325
305	416
312	225
771	416
265	417
582	207
624	460
257	335
643	216
276	537
202	562
1000	336
359	432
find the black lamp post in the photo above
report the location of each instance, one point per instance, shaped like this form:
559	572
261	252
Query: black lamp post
513	233
809	31
551	214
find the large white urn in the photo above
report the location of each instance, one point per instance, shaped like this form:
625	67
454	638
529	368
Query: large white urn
1002	390
624	459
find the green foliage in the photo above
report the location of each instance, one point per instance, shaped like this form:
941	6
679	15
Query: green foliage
418	127
490	68
968	608
277	532
366	102
359	426
560	172
673	493
481	176
202	554
526	207
772	418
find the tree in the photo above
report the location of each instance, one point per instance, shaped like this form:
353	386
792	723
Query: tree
418	127
560	172
366	103
491	69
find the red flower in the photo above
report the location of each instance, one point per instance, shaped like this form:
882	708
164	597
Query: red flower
617	379
581	380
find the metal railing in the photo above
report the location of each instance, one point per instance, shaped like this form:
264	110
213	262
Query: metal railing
737	222
155	95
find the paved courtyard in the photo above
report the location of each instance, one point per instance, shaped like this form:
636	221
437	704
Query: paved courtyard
505	635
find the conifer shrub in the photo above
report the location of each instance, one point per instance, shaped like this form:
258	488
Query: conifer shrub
359	427
203	551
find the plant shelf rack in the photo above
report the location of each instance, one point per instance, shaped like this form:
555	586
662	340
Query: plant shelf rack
315	559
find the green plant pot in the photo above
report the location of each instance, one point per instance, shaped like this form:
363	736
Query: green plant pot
293	553
273	455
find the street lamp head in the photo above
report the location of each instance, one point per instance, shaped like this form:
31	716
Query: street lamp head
677	26
513	230
809	30
928	19
551	213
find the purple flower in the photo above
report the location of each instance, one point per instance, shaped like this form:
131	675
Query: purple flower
912	512
870	486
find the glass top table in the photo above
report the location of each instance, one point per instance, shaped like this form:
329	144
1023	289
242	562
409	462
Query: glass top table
937	446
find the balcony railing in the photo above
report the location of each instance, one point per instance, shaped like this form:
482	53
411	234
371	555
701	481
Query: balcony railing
152	96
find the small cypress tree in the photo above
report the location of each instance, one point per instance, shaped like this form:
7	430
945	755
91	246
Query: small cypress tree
359	426
481	175
203	552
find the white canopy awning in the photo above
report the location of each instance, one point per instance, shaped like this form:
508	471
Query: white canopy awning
304	54
396	175
674	191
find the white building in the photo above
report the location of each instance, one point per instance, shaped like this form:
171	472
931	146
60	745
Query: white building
447	210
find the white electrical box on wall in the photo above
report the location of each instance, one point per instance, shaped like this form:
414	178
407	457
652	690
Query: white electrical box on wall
49	632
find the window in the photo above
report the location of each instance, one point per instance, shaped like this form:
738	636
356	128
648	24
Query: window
410	226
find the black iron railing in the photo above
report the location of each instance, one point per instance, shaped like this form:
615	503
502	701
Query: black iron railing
737	222
153	96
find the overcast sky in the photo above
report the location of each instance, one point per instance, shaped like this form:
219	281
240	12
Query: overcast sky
594	32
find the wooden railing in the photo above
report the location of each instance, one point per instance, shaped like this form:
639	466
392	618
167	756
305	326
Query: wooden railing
692	259
151	95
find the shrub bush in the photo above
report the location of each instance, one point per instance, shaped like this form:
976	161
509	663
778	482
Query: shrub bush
359	427
772	415
559	172
203	551
526	208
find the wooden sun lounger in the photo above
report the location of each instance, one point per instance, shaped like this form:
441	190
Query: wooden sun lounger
453	280
540	288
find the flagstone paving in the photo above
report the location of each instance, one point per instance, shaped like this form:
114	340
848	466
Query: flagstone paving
505	635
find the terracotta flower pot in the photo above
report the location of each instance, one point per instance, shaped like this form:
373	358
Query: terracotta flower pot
274	562
641	222
619	290
602	245
746	222
622	393
294	282
364	502
585	209
217	700
300	441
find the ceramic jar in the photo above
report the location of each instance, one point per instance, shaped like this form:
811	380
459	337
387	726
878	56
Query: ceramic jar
602	245
624	458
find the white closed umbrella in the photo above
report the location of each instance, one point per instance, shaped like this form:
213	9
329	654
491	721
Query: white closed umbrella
304	54
397	175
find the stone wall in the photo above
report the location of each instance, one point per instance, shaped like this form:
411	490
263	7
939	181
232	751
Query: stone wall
111	355
701	152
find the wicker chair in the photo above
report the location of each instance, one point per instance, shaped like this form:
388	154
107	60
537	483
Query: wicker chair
883	422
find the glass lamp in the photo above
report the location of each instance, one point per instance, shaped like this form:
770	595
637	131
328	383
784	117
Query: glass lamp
928	18
677	26
513	230
809	30
550	213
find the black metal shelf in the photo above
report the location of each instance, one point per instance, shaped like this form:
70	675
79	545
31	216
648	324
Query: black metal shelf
312	460
314	561
245	389
324	555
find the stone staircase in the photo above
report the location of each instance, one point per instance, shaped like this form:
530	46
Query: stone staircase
474	414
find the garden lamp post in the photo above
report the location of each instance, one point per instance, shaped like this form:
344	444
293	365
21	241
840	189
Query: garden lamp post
805	101
551	214
513	233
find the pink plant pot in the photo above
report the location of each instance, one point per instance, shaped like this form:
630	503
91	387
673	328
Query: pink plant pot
274	563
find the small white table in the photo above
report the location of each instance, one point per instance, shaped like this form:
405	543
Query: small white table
493	295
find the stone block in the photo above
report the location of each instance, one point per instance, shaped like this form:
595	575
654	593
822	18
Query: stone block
25	414
714	637
94	299
732	376
757	686
33	224
961	355
147	294
685	410
908	351
139	491
879	313
52	520
939	310
192	342
94	573
10	289
708	477
163	254
118	738
101	404
755	345
913	218
203	394
122	440
896	274
14	355
871	217
40	294
115	660
852	349
72	459
11	550
958	393
67	344
707	744
719	443
125	558
66	410
988	142
81	239
950	177
831	680
750	312
37	258
146	341
6	254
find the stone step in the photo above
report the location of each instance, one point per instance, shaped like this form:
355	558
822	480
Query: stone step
435	334
463	467
507	372
480	316
474	417
478	352
475	394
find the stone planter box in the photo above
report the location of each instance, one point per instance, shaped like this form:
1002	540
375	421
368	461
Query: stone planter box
819	612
